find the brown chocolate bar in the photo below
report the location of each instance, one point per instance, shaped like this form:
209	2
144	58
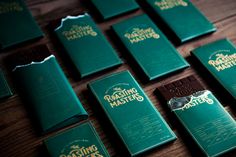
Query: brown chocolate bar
35	54
180	88
57	22
54	24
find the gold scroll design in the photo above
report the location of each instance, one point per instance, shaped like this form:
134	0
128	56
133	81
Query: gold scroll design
184	103
168	4
77	32
140	34
7	7
77	151
223	62
121	96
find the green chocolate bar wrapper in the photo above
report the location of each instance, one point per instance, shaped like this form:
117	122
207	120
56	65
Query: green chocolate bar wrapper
137	122
182	18
81	141
17	24
210	125
219	58
47	90
149	47
111	8
201	114
85	44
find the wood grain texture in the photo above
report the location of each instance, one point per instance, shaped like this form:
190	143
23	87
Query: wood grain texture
19	137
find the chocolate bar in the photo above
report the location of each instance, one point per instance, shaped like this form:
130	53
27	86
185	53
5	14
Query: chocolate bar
81	141
219	58
182	18
17	24
35	54
85	45
155	55
45	87
135	119
202	115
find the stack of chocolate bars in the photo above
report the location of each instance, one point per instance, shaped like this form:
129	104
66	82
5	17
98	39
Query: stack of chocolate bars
138	124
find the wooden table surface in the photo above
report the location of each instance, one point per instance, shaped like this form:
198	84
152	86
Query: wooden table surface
19	137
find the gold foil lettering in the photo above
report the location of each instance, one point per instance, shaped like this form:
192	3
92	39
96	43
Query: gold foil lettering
76	151
7	7
77	32
168	4
140	34
223	62
122	96
197	101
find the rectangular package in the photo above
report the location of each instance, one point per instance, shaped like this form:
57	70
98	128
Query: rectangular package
149	47
182	18
17	24
81	141
48	92
202	115
111	8
135	119
5	90
85	44
219	58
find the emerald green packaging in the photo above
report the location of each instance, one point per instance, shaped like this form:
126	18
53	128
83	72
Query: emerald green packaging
137	122
111	8
182	18
46	89
81	141
149	47
202	115
17	24
86	45
219	58
5	90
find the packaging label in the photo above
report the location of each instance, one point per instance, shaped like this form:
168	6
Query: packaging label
138	34
221	61
121	94
75	149
168	4
7	7
77	32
